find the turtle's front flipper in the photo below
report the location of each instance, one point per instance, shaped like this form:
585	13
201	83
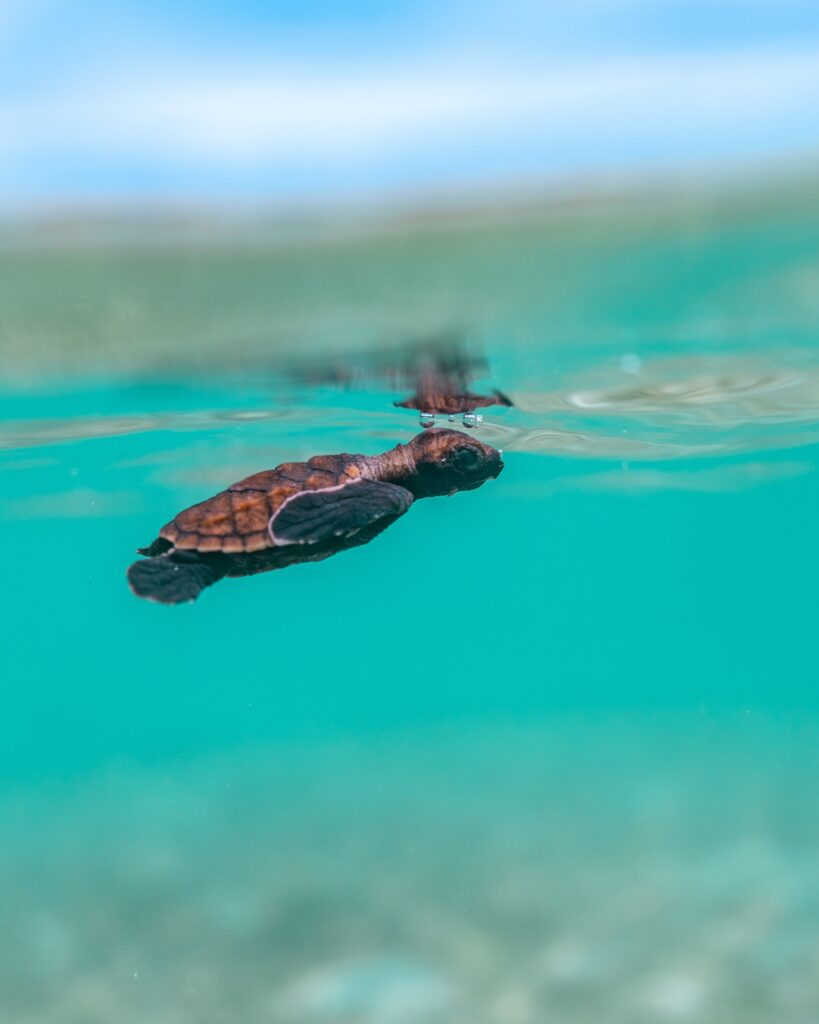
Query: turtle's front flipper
313	517
175	577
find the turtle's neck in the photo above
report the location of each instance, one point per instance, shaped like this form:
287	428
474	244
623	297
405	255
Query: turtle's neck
397	466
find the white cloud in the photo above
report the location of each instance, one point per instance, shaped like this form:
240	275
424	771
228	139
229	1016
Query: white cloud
240	117
391	126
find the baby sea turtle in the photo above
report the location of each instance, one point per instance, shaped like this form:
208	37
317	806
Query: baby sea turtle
304	512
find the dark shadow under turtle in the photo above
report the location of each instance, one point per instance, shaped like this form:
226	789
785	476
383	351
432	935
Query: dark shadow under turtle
304	512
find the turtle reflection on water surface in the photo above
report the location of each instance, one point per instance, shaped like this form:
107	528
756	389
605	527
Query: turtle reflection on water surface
441	388
431	403
304	512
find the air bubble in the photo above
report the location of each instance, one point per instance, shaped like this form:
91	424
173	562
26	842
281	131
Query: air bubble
631	363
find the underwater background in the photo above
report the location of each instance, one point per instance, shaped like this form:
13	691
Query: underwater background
543	751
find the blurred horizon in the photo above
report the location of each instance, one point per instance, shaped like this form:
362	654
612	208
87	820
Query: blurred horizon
354	103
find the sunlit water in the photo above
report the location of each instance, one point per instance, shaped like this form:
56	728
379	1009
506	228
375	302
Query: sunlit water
542	751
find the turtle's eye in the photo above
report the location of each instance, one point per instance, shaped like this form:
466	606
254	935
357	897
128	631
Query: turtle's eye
465	459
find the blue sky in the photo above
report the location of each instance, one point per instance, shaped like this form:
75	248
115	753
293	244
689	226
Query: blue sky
329	101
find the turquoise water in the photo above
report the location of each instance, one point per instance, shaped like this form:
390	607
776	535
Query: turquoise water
542	751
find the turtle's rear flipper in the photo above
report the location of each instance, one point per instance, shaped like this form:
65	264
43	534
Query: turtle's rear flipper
156	547
175	577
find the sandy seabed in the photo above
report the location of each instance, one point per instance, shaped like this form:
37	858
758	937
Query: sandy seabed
620	870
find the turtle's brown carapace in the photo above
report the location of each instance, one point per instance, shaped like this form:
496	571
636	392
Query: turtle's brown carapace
304	512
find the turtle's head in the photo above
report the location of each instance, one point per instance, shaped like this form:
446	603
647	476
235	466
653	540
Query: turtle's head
447	461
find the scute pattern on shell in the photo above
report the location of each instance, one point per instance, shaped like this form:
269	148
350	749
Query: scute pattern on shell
235	520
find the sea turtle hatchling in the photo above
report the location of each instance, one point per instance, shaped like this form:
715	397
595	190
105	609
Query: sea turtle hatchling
304	512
